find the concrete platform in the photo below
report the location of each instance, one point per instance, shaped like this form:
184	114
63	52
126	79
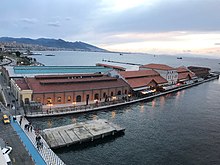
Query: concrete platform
80	132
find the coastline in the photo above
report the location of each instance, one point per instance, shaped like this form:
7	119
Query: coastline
68	112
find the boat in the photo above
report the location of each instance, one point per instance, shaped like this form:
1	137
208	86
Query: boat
179	58
49	55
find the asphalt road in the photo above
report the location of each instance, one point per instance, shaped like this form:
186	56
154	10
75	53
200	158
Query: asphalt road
19	155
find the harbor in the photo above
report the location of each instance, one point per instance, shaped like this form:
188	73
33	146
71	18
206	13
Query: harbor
57	111
80	132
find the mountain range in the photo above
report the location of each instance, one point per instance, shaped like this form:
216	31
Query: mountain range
53	43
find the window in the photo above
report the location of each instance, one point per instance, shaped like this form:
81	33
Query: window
38	99
104	95
68	98
78	98
119	92
96	96
26	101
58	99
112	93
49	100
126	91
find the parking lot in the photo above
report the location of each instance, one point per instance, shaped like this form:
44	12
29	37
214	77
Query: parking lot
19	155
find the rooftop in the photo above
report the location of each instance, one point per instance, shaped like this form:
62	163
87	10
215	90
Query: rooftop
138	73
61	85
157	66
31	71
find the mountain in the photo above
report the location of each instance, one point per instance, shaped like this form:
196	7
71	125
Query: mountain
53	43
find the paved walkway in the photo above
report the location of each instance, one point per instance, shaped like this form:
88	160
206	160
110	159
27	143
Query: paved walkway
43	156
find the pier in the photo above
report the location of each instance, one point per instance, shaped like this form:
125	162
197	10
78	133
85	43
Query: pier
80	132
119	62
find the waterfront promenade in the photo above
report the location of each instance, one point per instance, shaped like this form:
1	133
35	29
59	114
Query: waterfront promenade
56	111
41	156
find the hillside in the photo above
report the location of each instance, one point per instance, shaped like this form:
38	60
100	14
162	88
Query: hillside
53	43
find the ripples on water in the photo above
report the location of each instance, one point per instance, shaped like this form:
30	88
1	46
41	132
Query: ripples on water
179	128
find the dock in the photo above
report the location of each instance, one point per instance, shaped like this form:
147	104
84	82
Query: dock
80	132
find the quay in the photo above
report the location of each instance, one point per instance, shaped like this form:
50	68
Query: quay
68	110
80	132
41	156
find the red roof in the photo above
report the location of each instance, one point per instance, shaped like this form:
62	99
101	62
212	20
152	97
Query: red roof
182	69
142	82
142	78
138	73
22	84
73	85
157	66
77	80
66	76
185	75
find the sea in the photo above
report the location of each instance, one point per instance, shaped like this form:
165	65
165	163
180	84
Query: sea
176	129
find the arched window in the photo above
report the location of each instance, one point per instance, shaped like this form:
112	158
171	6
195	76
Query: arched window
78	98
38	99
112	93
96	96
58	99
68	98
126	91
26	101
49	100
104	95
119	92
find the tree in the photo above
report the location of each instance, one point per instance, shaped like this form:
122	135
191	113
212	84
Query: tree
1	57
18	54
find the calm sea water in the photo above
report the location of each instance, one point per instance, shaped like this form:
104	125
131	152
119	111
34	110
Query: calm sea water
179	128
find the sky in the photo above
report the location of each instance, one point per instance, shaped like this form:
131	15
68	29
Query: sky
148	26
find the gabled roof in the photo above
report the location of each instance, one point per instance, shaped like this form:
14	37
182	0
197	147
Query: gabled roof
138	73
145	81
182	69
62	85
157	66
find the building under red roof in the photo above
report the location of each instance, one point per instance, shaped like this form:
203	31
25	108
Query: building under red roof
63	90
157	67
143	79
184	74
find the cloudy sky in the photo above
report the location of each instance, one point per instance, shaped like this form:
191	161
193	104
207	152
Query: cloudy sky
151	26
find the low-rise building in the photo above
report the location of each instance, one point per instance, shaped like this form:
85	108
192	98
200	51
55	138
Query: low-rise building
167	72
185	75
143	81
69	89
201	72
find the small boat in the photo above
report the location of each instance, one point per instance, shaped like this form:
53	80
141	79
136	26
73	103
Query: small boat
49	55
120	54
179	58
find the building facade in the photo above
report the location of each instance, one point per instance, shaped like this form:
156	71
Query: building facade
69	89
167	72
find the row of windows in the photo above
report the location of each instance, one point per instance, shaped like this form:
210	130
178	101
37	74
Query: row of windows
79	98
171	76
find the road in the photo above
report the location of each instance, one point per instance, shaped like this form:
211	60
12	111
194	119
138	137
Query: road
19	155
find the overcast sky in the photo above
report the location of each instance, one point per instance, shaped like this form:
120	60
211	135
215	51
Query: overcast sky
151	26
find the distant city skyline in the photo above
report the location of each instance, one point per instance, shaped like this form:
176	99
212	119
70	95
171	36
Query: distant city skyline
149	26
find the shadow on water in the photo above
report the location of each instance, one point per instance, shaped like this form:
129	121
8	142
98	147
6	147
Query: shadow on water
87	145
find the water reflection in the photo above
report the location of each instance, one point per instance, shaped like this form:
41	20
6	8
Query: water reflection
162	101
113	114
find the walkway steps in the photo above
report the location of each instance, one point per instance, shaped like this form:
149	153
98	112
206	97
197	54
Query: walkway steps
80	132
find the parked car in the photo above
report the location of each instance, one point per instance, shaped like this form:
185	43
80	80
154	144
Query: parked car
5	119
